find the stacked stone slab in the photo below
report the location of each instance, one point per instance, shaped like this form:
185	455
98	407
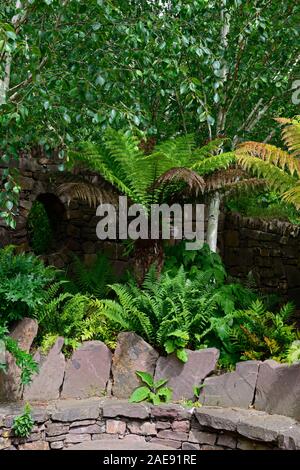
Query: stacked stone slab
92	423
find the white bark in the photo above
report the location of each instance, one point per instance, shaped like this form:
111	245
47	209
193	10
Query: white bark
213	221
225	18
214	203
4	84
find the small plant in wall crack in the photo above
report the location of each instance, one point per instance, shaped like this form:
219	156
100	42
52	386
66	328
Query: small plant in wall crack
195	403
154	392
23	424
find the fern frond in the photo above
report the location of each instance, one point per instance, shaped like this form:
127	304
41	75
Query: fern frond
276	178
194	182
86	192
223	178
270	154
291	134
292	196
213	163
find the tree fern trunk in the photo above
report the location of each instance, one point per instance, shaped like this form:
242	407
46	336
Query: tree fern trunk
213	221
146	253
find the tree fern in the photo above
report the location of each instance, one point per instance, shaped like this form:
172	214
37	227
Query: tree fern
280	168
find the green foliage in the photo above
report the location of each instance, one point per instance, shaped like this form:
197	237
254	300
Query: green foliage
76	317
23	424
265	206
194	403
293	352
23	283
253	333
148	72
142	178
94	279
39	228
154	392
171	311
23	359
194	261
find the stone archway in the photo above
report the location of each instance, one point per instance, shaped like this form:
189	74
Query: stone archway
57	216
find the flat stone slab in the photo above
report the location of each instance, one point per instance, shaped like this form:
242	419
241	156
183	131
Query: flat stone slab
76	410
182	377
119	444
232	388
88	370
252	424
132	353
115	408
278	389
47	383
253	429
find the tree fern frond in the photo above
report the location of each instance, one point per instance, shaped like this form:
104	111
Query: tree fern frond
177	150
222	178
271	154
291	134
292	196
276	178
86	192
195	183
213	163
247	185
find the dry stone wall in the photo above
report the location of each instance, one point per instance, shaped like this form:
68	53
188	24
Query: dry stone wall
268	250
74	223
67	424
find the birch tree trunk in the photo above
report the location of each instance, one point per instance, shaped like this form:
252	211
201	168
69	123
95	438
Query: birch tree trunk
4	83
215	200
213	221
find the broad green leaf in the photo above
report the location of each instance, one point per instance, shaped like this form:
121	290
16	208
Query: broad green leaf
166	393
140	394
160	382
145	377
154	398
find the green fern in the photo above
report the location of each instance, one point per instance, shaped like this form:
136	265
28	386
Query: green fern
171	311
147	179
254	333
93	279
279	168
23	284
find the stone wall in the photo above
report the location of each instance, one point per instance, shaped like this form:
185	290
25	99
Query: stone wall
268	250
93	371
74	222
66	424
